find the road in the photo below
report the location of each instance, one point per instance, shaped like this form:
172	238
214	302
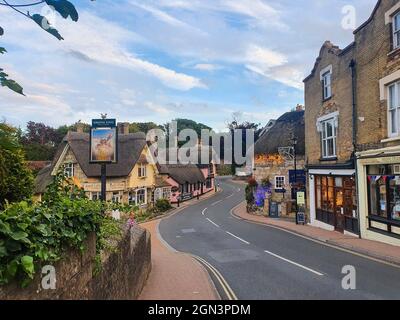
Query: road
263	263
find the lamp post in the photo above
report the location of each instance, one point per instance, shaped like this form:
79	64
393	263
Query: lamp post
294	140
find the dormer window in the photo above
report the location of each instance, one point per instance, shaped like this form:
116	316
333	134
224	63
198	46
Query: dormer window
396	31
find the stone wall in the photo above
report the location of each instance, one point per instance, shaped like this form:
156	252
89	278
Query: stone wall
123	273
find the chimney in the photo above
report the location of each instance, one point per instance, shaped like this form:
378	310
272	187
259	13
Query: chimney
79	127
299	107
123	128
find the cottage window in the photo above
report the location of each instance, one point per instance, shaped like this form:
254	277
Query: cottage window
328	138
394	113
396	31
116	197
69	170
142	172
326	82
96	196
166	193
141	196
279	183
132	198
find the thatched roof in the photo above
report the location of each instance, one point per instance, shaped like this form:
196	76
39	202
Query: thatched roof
43	179
183	173
281	134
130	148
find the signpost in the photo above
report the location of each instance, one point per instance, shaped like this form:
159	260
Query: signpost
103	147
301	204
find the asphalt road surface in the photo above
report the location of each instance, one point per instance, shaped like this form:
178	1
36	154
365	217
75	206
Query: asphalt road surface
261	262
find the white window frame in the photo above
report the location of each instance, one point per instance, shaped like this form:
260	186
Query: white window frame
393	105
69	170
167	193
116	197
145	197
332	118
327	84
395	31
142	171
325	138
282	179
97	194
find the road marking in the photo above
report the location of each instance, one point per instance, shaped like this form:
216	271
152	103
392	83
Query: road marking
231	234
294	263
213	223
230	196
204	211
239	190
215	203
224	284
320	242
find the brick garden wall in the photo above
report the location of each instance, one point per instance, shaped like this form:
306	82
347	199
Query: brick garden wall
122	276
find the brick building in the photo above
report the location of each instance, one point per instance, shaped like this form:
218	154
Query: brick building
353	130
330	141
377	47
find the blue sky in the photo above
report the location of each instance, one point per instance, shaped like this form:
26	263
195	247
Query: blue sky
156	60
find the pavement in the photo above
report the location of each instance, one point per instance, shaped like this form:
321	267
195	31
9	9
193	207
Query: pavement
373	249
174	275
256	261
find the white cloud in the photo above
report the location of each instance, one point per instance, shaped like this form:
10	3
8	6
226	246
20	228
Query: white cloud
206	67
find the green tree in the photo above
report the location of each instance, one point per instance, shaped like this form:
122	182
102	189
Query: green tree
65	8
16	180
143	127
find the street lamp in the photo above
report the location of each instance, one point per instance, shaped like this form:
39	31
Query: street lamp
294	141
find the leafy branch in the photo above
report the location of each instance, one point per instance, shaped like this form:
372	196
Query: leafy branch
64	7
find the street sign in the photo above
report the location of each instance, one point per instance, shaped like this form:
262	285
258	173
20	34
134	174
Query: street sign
104	123
301	198
301	217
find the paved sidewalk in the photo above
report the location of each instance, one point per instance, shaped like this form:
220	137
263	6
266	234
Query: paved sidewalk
370	248
174	275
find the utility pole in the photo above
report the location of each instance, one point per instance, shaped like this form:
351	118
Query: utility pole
295	175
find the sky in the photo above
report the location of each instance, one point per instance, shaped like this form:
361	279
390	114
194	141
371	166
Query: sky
157	60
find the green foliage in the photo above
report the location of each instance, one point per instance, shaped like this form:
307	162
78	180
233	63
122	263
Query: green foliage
6	82
45	25
64	7
33	234
16	180
162	205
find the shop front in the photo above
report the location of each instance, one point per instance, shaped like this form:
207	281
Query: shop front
379	184
333	200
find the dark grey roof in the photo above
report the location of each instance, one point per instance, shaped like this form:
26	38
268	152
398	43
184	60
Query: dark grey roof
183	173
281	134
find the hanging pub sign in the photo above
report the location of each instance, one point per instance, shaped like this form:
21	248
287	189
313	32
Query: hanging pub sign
104	141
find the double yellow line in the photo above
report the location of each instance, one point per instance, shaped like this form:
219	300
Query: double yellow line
225	286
